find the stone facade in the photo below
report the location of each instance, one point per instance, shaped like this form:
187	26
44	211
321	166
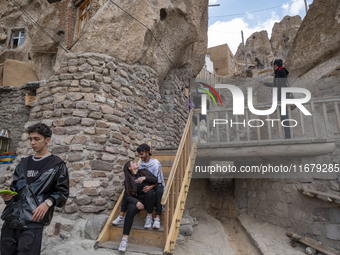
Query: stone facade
276	201
279	202
13	113
100	110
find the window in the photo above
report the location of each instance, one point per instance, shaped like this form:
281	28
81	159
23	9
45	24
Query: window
17	38
83	15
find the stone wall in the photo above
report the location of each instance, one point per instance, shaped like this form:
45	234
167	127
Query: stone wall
276	201
100	111
13	113
279	202
175	104
214	195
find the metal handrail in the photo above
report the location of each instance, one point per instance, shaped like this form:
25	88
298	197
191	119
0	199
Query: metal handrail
308	125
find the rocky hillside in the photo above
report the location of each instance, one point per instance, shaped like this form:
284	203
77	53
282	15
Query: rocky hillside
258	50
283	35
261	50
155	38
317	44
126	39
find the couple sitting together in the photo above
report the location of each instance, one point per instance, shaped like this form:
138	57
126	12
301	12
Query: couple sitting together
144	186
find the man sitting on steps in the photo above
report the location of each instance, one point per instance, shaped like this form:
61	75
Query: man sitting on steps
155	167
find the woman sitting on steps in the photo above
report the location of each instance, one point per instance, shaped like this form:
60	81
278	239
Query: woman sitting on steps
135	180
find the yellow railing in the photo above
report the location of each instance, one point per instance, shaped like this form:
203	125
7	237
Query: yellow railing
177	187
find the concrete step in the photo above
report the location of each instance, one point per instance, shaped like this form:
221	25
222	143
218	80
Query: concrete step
268	238
133	248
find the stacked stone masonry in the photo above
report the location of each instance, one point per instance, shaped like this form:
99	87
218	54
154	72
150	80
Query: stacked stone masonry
279	202
13	113
100	111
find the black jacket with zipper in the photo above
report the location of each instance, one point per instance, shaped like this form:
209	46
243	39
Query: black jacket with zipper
52	183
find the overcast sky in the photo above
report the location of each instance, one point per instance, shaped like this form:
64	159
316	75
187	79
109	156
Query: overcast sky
232	16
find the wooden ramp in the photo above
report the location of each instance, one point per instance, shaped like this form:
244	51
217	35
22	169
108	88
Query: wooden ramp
177	168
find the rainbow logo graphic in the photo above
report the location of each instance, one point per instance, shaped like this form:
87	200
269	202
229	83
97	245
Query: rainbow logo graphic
213	90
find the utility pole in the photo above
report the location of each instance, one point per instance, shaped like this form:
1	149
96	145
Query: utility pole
306	6
244	49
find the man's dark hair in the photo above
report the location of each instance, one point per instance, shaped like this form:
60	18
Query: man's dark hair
144	147
41	129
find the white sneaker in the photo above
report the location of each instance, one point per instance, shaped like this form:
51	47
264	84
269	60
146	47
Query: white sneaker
118	221
123	245
156	223
148	222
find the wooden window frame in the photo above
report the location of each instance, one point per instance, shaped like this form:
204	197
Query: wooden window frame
20	38
83	15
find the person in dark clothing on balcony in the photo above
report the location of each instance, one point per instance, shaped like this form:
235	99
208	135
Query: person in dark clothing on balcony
41	183
137	199
280	81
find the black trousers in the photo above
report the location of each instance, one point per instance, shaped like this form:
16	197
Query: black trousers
147	199
159	193
21	241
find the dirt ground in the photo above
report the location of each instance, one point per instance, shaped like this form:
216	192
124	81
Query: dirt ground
238	238
214	237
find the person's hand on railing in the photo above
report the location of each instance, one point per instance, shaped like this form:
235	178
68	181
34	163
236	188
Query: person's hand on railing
140	206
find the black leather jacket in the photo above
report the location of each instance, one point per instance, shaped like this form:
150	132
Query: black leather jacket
53	183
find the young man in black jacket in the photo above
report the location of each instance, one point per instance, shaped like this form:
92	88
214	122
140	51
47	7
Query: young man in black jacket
42	182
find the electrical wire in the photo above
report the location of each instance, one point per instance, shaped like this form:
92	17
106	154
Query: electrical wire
36	24
245	13
142	24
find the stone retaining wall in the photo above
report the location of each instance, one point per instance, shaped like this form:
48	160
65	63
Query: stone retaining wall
13	113
100	111
279	202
